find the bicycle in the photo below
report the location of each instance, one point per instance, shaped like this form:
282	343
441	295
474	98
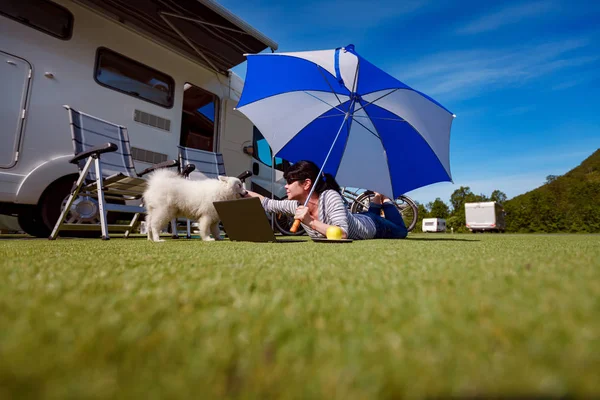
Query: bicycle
284	222
358	201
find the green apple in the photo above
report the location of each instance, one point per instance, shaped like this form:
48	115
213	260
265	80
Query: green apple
334	233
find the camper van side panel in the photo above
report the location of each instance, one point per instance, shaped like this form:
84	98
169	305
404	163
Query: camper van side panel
236	133
63	73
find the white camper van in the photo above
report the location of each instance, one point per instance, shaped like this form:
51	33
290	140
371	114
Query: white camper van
434	225
485	216
159	68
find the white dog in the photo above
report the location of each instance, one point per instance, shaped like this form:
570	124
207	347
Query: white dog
169	195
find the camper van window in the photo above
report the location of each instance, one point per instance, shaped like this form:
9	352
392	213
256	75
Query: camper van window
262	152
200	118
133	78
42	15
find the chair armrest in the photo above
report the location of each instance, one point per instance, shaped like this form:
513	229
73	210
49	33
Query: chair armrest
187	170
97	150
244	175
164	164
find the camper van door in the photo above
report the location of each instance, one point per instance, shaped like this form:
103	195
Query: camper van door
15	74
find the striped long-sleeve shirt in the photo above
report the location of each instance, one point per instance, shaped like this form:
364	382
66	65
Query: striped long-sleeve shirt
331	211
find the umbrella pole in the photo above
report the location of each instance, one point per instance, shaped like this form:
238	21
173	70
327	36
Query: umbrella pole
296	224
272	188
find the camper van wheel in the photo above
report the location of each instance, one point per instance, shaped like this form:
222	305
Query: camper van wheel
52	201
31	222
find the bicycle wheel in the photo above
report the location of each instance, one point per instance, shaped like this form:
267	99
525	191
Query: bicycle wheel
407	207
284	222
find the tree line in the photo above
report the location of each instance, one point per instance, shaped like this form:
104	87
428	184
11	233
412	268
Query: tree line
566	203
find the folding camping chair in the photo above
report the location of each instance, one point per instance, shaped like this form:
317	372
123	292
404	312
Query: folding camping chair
112	181
207	163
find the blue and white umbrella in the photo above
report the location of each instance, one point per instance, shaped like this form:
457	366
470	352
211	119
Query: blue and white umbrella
354	120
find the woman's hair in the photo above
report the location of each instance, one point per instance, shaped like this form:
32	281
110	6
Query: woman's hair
308	170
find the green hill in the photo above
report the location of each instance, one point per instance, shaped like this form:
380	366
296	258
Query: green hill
567	203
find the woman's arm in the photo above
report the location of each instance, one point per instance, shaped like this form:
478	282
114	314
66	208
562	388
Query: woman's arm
279	206
254	194
304	216
322	227
335	213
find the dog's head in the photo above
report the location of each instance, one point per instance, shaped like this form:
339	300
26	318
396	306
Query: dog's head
235	185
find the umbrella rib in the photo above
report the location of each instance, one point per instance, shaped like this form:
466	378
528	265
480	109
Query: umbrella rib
335	107
411	125
377	99
356	78
387	161
379	118
330	116
370	131
349	126
314	185
328	84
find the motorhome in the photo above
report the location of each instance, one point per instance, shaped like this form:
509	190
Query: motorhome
434	225
162	69
485	216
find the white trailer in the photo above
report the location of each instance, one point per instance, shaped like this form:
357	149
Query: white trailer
485	216
159	68
434	225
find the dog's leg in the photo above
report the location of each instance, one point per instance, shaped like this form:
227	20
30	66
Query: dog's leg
216	232
149	225
204	226
158	221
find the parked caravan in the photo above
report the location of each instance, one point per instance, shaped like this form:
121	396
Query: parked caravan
485	216
434	225
159	68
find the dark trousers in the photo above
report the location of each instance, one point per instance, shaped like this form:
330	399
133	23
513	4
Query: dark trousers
390	227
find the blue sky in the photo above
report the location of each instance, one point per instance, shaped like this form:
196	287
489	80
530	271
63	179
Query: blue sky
523	77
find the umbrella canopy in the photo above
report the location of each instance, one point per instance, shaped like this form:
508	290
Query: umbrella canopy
354	120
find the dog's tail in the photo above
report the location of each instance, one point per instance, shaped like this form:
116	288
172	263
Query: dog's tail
163	173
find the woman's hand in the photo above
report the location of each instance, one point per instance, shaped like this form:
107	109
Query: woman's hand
303	215
253	194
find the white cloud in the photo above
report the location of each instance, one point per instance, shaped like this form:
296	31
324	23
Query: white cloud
517	111
547	156
507	16
570	83
466	74
362	15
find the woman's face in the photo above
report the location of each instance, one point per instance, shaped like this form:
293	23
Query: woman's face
297	190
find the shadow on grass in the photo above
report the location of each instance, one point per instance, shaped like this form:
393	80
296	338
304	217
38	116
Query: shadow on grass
279	239
27	237
10	236
444	239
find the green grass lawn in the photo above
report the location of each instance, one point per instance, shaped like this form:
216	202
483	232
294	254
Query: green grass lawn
438	315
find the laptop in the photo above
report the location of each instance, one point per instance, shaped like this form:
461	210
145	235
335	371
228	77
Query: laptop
245	220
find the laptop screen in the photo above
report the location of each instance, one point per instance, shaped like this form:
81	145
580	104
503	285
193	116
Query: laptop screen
245	220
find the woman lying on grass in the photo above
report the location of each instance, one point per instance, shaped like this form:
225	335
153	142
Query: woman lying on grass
326	207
